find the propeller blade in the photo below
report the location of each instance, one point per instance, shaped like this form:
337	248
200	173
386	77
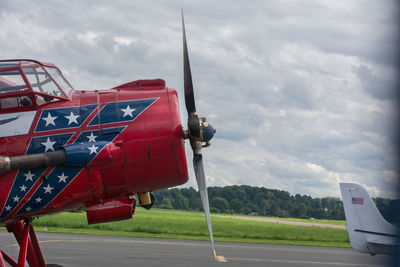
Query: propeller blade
193	121
187	74
201	183
196	138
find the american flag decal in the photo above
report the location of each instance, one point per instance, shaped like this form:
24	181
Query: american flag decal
357	200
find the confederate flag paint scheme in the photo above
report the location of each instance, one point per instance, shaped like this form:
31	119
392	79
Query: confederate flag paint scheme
119	142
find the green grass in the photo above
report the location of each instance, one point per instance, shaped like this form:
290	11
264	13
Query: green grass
192	225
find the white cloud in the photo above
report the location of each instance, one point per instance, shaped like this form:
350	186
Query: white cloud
89	37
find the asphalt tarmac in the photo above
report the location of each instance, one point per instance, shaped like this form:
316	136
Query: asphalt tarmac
88	250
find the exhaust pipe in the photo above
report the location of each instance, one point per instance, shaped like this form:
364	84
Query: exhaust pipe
52	158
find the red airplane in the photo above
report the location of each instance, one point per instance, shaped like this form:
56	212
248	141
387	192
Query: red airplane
61	149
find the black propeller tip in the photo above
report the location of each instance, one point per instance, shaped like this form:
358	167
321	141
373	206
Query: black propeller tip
187	74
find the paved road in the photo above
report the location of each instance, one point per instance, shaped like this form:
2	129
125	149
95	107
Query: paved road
337	226
85	250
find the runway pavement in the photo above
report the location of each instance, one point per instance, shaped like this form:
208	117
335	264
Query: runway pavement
88	250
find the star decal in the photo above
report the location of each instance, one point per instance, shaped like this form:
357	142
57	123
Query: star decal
47	189
8	208
72	118
29	176
127	111
38	200
48	144
62	178
50	119
93	149
28	209
92	137
23	188
16	198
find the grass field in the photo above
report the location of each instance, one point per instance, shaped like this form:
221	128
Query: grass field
192	225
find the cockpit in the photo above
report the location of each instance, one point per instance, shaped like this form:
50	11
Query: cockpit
27	84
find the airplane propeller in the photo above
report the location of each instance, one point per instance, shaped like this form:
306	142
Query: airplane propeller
199	132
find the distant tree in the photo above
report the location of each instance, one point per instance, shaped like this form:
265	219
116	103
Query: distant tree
166	203
195	204
245	210
214	210
236	205
219	203
267	202
262	207
264	211
284	195
242	195
393	211
318	213
227	193
299	211
273	209
282	213
193	197
389	209
181	202
259	198
270	194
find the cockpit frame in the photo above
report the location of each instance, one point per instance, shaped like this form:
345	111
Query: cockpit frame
26	84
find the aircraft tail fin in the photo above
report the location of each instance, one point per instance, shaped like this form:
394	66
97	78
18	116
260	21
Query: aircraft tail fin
368	231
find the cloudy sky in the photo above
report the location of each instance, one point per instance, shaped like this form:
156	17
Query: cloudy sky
301	92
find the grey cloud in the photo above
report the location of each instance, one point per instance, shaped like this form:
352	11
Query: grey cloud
381	88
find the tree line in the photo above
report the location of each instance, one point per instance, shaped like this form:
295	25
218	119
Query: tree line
250	200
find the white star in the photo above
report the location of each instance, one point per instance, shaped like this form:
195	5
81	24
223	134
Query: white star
93	149
29	176
62	178
48	189
127	111
38	200
50	119
28	209
8	208
72	118
48	144
92	137
16	199
23	188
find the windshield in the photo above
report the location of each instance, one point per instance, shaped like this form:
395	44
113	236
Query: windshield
56	74
41	81
11	81
27	83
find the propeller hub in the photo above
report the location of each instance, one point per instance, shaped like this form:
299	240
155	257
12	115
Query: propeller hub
200	132
207	130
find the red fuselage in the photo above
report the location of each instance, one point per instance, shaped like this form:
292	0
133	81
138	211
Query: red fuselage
131	140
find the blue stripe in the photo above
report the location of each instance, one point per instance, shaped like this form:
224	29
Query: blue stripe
64	118
121	111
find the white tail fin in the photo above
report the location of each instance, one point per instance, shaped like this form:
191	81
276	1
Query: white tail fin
368	231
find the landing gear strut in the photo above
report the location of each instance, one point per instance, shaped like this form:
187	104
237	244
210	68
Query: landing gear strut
28	243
